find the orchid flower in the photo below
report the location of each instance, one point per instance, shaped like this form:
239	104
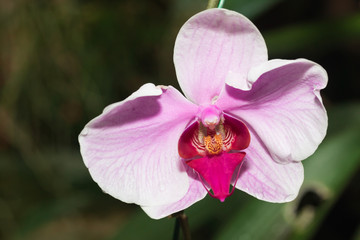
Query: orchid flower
245	122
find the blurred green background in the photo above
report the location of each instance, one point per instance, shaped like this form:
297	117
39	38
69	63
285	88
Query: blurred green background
63	61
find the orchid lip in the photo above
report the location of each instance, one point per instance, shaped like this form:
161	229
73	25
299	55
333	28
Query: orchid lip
217	171
213	150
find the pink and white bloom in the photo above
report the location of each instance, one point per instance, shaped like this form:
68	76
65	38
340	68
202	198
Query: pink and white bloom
246	121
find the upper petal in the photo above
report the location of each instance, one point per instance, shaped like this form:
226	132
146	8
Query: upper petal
131	148
266	179
283	107
212	44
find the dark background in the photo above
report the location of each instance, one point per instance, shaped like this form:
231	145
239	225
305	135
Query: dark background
63	61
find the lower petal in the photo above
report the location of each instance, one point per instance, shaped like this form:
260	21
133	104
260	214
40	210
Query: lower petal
195	193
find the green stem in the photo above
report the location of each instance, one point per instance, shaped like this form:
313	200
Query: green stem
215	4
176	229
181	221
221	3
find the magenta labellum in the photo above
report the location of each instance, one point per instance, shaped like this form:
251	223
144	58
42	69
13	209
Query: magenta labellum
211	147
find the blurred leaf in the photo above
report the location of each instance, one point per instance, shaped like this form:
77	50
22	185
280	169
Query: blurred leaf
326	174
250	8
140	226
51	211
357	234
207	214
313	36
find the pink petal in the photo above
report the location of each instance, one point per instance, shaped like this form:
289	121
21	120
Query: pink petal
131	148
212	44
195	193
283	107
217	170
267	180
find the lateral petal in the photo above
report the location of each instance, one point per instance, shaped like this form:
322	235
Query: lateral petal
131	148
212	44
283	107
266	179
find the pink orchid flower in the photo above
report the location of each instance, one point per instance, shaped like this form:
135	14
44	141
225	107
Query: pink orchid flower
246	122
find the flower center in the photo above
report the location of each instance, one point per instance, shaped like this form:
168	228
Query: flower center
213	145
223	135
210	116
